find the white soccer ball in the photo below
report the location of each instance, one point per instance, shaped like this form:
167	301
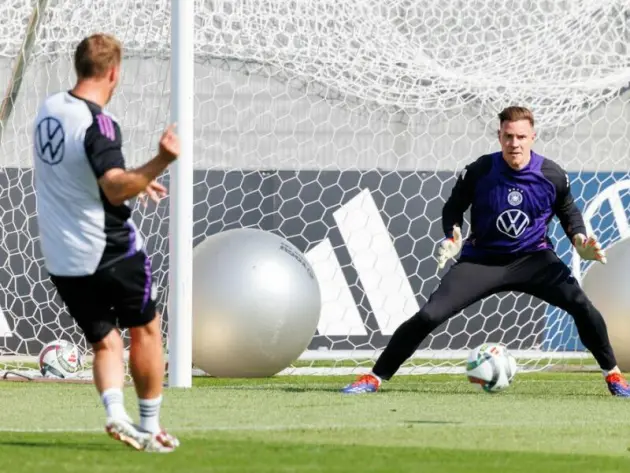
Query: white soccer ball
491	366
60	359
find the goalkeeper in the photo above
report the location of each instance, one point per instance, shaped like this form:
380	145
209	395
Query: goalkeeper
513	195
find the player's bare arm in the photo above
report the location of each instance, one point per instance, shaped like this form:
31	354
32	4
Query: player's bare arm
120	185
154	191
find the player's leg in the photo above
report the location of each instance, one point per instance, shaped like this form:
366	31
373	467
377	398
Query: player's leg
136	310
109	373
147	370
88	301
464	284
545	276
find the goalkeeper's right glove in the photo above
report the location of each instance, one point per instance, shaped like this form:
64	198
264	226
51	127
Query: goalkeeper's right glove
449	247
589	248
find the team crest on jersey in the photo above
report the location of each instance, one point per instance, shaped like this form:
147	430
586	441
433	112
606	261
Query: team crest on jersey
50	140
515	197
512	222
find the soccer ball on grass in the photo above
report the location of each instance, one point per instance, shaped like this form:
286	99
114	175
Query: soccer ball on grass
491	366
60	359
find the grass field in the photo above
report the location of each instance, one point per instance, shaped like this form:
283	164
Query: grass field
549	422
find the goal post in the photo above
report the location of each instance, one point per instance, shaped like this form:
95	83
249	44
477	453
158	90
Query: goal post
340	125
21	62
181	203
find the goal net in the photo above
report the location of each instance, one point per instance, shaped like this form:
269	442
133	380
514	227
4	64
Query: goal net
340	125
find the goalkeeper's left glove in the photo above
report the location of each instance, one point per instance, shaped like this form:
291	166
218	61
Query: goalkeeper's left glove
589	248
449	247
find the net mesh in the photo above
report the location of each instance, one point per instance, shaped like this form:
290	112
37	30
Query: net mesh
340	125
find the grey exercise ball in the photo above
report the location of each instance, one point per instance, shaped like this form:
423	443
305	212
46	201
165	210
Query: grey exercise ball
256	304
607	288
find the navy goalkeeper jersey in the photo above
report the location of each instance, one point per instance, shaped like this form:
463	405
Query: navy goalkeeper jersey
510	210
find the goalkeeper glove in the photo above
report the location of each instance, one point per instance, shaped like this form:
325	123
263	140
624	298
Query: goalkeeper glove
589	248
449	247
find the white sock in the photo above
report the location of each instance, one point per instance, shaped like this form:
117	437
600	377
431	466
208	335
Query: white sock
113	401
150	414
614	370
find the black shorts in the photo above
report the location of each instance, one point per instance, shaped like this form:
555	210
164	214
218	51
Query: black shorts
540	274
121	295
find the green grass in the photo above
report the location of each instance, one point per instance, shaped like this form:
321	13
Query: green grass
439	423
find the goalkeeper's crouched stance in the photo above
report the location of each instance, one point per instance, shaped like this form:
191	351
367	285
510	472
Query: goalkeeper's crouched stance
513	195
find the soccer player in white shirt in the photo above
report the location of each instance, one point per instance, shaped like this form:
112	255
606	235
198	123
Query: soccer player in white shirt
92	250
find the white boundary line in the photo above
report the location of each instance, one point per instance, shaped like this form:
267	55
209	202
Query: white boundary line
530	358
533	354
344	355
256	428
363	426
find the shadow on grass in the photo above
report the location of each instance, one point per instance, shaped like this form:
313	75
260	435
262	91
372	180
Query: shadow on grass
387	390
61	445
429	422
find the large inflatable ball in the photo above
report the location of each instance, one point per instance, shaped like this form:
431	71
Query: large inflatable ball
607	287
256	304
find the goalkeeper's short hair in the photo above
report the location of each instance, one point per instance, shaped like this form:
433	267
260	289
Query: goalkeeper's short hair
516	113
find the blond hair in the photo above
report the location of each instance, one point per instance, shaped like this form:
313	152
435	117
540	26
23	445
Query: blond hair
515	113
95	55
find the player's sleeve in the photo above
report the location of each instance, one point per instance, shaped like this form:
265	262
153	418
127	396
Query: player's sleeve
103	145
564	206
462	194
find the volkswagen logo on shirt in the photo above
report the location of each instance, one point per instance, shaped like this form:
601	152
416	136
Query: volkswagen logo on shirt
512	222
50	141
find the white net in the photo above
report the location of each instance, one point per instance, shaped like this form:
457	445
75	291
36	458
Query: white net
340	125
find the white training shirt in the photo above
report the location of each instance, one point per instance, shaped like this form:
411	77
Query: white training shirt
75	142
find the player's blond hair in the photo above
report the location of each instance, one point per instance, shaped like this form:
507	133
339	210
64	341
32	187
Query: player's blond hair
96	54
516	113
